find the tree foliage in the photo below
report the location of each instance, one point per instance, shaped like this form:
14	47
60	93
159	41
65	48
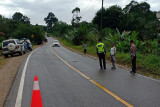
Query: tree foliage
76	18
19	17
60	28
136	21
18	27
111	17
50	19
135	16
25	31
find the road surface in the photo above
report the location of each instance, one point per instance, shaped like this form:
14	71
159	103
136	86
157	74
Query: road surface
68	79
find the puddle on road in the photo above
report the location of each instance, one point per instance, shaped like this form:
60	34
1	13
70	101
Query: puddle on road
74	61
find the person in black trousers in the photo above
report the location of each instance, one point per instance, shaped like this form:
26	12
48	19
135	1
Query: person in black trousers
101	52
133	56
85	48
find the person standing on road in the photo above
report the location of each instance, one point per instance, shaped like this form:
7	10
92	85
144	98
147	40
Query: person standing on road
25	45
101	52
133	56
112	54
85	48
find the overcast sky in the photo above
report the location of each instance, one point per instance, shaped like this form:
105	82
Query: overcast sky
37	10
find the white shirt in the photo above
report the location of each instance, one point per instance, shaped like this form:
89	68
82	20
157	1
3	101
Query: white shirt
113	50
84	46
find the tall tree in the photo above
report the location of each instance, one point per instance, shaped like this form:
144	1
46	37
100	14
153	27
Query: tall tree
60	28
141	8
111	17
139	17
50	19
19	17
128	7
76	18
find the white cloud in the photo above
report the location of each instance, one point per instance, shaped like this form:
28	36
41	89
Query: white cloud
30	1
6	2
8	12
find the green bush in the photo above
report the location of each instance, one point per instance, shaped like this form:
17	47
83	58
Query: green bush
0	45
26	30
154	46
92	38
121	40
0	49
2	38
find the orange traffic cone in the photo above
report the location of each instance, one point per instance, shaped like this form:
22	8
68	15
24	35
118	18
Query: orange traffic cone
41	45
36	95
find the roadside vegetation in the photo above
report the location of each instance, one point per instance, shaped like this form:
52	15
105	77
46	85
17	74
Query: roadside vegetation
146	63
120	25
19	27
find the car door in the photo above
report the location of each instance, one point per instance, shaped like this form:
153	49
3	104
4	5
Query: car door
20	45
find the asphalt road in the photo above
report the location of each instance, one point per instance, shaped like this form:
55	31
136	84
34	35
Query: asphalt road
73	80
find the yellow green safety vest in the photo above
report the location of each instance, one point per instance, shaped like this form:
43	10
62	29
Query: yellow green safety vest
100	47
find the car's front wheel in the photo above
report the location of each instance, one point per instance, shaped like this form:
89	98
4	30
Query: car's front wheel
6	55
11	55
24	52
20	53
30	48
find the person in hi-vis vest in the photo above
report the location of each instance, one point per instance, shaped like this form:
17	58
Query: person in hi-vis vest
101	52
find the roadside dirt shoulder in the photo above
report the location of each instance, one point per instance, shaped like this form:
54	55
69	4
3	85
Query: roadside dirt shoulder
8	73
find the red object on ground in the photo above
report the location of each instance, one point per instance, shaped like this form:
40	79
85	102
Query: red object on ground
36	95
41	45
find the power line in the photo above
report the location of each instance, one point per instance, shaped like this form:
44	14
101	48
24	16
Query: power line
92	5
92	2
92	8
88	13
101	16
88	7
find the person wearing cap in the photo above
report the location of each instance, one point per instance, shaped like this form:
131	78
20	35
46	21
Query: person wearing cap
101	52
112	54
133	56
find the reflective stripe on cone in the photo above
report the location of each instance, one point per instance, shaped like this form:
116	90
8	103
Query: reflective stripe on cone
36	95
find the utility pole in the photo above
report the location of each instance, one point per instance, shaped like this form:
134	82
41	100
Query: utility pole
101	17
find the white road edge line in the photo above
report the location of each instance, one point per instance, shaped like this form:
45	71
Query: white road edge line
20	90
149	78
